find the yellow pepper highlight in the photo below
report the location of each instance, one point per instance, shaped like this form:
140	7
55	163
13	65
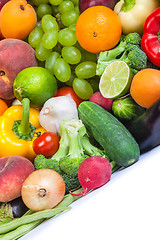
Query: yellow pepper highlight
10	144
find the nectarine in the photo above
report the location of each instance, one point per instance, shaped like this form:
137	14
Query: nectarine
13	172
15	55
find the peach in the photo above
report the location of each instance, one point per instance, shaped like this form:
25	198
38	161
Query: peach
13	171
15	55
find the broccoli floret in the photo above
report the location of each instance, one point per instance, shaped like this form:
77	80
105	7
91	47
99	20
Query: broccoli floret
132	38
70	182
135	57
127	50
40	162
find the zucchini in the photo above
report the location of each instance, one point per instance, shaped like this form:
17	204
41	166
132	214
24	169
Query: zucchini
110	133
146	128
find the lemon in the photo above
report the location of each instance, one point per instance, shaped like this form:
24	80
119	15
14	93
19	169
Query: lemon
36	83
115	80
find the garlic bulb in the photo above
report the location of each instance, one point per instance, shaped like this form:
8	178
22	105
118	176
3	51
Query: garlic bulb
55	110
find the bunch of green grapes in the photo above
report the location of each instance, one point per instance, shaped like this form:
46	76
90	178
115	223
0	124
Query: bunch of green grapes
56	47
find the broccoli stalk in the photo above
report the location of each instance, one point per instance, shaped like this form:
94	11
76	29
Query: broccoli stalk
89	148
70	163
128	50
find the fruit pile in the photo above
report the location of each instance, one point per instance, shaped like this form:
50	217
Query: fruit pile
79	99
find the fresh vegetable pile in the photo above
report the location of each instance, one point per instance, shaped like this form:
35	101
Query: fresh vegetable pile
79	100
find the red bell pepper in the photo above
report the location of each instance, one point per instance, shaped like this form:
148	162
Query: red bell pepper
150	42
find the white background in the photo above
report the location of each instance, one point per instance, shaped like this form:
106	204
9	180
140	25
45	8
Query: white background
127	208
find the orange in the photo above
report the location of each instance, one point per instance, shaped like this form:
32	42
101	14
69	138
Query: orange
17	19
145	87
98	29
3	107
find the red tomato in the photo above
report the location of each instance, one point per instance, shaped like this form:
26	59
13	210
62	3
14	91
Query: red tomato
47	144
68	91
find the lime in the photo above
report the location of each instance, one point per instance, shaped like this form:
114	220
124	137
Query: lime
36	83
115	80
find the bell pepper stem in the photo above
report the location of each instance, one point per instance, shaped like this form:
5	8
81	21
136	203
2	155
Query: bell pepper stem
23	128
128	5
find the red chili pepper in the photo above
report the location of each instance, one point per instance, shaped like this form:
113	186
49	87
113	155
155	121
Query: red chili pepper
150	42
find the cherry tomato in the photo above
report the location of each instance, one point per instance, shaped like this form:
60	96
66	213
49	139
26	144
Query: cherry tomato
47	144
68	91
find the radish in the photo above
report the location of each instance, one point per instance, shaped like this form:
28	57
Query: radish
105	103
93	172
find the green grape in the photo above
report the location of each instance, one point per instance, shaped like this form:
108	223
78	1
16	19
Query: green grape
62	70
35	36
75	2
41	52
39	2
69	17
49	23
82	88
50	61
44	9
86	56
71	55
70	81
77	9
55	2
86	69
67	37
49	39
66	6
72	27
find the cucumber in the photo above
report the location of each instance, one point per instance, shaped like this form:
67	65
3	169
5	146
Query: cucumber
110	133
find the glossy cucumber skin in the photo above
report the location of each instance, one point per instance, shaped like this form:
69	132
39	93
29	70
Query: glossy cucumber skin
146	128
110	133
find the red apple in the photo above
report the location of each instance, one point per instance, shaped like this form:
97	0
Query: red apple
13	171
84	4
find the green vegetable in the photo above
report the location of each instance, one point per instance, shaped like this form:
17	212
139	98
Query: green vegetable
20	226
126	109
110	133
128	50
70	163
74	148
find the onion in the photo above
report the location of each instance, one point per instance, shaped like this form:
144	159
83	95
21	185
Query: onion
43	189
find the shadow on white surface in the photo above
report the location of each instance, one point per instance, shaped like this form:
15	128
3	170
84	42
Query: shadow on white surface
127	208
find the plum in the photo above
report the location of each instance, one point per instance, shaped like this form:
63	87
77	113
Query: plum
84	4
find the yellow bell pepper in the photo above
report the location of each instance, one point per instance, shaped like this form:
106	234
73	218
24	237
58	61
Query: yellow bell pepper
10	143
